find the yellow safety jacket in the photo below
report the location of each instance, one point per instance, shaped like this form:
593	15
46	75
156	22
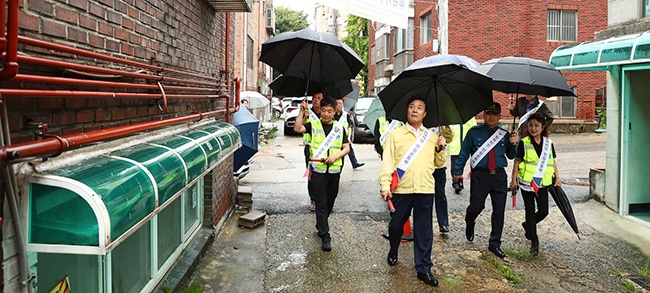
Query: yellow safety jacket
317	137
456	142
306	137
528	166
383	126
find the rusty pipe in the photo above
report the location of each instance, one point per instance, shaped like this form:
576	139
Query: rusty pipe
55	145
11	60
102	70
84	82
227	45
3	20
82	52
91	94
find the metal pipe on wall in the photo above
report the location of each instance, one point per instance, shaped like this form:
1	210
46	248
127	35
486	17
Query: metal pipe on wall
85	82
56	145
11	59
82	52
91	94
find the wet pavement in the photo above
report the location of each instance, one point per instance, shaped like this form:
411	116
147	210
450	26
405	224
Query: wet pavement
283	254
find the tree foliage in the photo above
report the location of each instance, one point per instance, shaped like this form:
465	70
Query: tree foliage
288	20
357	39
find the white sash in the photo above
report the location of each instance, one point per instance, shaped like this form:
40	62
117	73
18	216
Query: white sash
543	160
393	124
412	153
312	115
531	112
337	129
487	146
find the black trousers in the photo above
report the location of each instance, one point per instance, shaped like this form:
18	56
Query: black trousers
422	206
440	176
496	185
532	217
326	189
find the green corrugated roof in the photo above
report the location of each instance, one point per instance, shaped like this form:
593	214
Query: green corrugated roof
598	55
94	202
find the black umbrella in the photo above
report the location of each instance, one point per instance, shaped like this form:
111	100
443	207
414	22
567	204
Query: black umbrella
289	86
312	55
337	89
453	91
564	205
521	75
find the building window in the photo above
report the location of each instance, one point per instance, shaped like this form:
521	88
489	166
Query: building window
400	40
562	26
564	107
249	54
646	8
425	28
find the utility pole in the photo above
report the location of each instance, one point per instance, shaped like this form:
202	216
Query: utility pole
443	27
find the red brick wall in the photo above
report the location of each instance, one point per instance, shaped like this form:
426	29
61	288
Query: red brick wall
188	36
489	29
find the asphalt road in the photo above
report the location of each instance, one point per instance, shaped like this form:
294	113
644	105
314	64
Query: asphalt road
283	255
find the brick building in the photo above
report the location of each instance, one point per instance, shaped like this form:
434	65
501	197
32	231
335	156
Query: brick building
494	29
139	90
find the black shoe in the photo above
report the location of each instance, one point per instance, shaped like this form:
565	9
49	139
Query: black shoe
497	251
456	187
357	165
534	250
523	224
469	231
428	279
327	246
444	229
391	260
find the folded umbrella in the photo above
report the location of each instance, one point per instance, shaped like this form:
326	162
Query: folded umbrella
452	90
562	202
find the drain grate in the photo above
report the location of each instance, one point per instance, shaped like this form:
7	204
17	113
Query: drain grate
641	281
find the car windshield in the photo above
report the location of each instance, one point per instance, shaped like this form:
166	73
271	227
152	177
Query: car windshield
362	105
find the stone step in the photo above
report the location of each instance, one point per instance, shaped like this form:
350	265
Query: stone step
252	219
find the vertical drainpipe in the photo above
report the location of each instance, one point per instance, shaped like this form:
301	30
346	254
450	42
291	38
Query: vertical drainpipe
227	45
8	180
11	43
9	71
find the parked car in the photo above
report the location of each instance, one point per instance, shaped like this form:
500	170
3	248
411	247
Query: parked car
360	130
276	106
291	112
286	102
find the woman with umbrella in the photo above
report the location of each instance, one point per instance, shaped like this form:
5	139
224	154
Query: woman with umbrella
535	168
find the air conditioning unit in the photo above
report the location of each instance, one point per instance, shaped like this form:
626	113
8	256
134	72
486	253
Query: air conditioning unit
435	45
389	67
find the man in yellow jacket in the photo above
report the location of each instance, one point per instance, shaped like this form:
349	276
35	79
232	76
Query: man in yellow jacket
405	178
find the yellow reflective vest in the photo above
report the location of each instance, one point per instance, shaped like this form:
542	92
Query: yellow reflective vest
383	126
454	145
317	138
528	166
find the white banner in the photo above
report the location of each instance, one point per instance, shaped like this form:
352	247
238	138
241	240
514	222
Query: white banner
391	12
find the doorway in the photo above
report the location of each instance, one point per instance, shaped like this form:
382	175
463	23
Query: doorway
635	200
